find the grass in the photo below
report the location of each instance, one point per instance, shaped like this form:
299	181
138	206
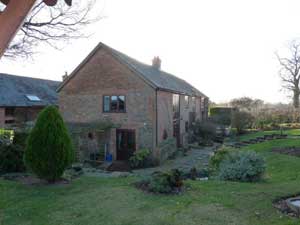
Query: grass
253	135
114	201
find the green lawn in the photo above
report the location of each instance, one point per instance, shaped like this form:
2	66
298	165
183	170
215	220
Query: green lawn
114	201
262	133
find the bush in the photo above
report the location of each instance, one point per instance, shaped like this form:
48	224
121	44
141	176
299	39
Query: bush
49	149
11	159
73	172
139	159
167	149
218	157
159	183
20	138
5	136
162	182
241	120
246	166
204	132
221	115
165	182
193	174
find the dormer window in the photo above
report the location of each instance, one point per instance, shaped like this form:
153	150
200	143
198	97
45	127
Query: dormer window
33	98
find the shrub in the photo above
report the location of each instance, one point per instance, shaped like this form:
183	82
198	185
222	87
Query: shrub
204	132
193	174
162	182
11	159
49	149
5	136
159	183
167	149
221	115
246	166
203	173
218	157
165	182
241	120
20	138
139	159
73	172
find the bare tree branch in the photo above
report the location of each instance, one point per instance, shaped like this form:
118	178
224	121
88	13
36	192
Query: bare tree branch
54	26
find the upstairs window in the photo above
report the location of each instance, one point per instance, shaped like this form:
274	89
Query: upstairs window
114	103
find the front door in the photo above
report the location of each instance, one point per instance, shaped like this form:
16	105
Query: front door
125	144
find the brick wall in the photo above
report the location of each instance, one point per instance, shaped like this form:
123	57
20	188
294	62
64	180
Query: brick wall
21	115
165	114
81	98
185	109
25	114
2	117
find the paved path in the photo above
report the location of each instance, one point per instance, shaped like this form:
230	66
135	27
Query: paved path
195	158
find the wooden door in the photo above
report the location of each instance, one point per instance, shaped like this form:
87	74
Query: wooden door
126	145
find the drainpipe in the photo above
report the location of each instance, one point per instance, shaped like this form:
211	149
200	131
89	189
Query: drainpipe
156	117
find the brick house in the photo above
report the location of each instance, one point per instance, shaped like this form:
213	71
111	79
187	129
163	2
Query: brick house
146	105
22	98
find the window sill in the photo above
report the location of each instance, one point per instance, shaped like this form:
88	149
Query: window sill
114	112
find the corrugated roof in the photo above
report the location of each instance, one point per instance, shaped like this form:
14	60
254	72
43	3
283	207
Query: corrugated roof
13	91
156	77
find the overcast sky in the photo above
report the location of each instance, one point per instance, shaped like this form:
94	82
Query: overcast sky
224	48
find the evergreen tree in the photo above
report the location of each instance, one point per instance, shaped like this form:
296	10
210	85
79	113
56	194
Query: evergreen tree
49	148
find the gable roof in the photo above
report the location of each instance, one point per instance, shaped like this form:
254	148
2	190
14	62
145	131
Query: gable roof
13	91
153	76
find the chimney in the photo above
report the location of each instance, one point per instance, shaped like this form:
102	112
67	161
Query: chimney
156	62
64	77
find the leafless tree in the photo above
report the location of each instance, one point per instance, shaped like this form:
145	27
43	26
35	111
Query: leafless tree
290	71
242	103
54	26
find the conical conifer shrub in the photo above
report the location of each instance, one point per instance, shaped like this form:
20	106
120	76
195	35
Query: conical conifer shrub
49	148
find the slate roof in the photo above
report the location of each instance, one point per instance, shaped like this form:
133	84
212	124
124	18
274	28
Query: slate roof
13	91
157	78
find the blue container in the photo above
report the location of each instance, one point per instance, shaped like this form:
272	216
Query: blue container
109	158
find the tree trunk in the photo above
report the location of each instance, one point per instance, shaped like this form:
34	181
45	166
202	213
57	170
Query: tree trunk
296	98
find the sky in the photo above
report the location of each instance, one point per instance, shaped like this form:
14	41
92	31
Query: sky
223	48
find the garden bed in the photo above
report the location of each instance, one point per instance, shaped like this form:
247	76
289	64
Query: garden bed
285	206
293	151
